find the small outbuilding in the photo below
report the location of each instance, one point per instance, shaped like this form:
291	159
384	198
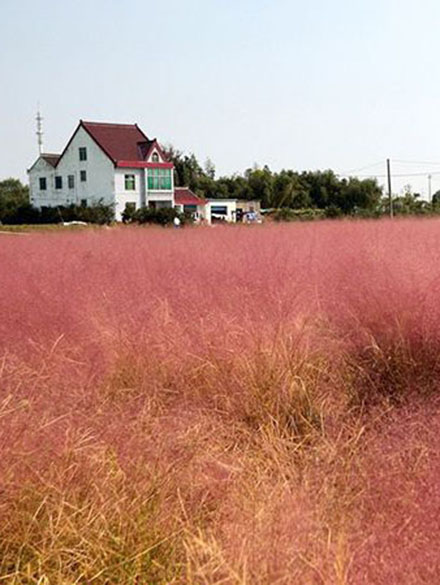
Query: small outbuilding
185	201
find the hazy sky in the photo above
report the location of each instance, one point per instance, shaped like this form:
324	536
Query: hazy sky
302	85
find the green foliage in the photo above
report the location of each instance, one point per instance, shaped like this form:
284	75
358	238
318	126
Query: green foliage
163	216
99	213
13	195
129	212
287	214
411	204
286	189
22	212
436	199
333	211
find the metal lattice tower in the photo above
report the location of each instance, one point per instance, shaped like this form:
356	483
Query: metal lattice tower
39	131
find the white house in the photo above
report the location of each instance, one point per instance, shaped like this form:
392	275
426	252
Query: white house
113	163
231	210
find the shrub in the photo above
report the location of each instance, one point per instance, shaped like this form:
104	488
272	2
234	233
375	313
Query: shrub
98	213
288	214
163	216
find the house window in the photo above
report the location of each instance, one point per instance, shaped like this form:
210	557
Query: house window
71	181
58	182
159	179
155	157
82	153
83	176
43	184
130	182
219	209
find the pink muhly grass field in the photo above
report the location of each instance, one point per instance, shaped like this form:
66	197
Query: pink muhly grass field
221	406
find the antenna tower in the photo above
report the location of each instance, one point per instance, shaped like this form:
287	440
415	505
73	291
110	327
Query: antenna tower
39	131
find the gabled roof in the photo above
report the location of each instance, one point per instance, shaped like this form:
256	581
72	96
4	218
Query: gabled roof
51	159
118	141
184	196
145	148
122	143
148	147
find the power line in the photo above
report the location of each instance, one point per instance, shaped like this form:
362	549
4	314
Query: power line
354	172
361	168
397	175
416	162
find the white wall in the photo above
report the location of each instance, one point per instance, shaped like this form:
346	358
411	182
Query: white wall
98	185
123	196
230	204
99	168
141	196
39	198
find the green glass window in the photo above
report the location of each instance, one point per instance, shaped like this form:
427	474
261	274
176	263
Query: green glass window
159	179
130	183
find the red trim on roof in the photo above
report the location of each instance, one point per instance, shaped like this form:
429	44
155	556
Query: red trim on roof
139	164
184	196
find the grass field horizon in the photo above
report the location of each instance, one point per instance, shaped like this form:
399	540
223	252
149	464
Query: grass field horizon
239	405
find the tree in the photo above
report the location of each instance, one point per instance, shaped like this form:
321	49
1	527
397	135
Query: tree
436	200
261	182
187	170
289	191
209	168
13	195
410	203
324	188
356	194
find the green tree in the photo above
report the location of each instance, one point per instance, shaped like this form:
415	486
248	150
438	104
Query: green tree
410	203
209	168
13	195
187	170
356	194
289	191
261	183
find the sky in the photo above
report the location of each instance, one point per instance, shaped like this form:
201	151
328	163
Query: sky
291	84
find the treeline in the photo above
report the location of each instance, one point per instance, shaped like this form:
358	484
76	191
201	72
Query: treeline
288	195
298	195
286	189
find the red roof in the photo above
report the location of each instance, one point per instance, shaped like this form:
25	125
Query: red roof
184	196
141	164
125	144
119	141
51	159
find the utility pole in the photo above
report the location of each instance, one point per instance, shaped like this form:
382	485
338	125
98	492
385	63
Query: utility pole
390	196
429	189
